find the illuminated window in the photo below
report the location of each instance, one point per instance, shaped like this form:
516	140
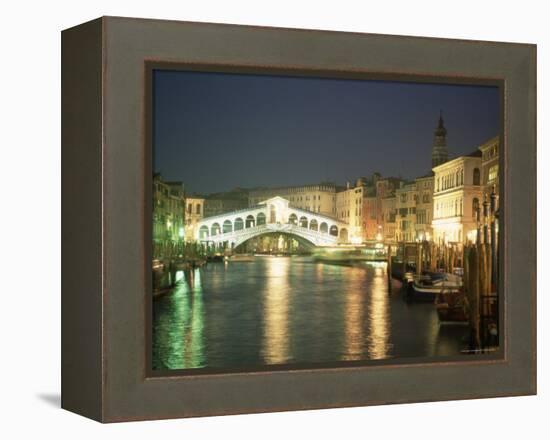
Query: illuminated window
493	173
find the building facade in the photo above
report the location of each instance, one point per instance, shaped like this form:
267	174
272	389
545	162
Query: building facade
490	168
424	207
457	199
389	216
168	217
220	203
373	215
405	207
194	212
349	208
320	198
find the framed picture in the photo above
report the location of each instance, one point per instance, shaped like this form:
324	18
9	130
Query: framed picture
262	219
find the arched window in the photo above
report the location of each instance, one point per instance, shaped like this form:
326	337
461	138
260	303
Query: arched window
293	219
227	227
303	222
249	222
215	229
260	219
313	225
203	231
476	177
239	224
334	230
323	228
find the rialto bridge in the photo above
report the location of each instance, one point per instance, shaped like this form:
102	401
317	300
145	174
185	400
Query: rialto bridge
271	216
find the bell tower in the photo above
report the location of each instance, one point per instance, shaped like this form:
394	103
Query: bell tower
439	147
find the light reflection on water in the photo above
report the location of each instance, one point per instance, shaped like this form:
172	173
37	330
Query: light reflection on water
276	299
281	310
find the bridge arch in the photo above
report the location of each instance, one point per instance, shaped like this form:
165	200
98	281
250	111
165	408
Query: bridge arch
203	232
334	230
250	221
260	219
215	229
303	222
293	219
300	239
323	228
313	225
239	224
227	227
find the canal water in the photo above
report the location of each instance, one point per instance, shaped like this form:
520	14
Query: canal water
287	310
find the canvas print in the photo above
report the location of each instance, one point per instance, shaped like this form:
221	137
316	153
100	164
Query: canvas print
301	221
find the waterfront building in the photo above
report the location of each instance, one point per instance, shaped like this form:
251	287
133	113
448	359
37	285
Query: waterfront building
372	222
490	190
457	199
220	203
168	217
490	168
194	212
320	198
389	212
373	216
424	207
349	208
405	206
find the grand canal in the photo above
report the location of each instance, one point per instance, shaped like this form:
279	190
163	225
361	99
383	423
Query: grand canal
288	310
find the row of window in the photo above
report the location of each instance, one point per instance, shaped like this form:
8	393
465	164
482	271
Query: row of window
307	198
197	208
454	179
453	208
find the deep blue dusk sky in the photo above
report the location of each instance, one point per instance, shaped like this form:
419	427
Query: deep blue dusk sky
217	131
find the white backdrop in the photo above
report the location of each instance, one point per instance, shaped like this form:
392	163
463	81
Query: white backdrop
30	217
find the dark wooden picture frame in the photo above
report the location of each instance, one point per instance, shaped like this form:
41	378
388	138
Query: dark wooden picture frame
106	195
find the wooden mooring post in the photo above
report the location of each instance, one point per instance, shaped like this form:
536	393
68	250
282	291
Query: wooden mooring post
388	269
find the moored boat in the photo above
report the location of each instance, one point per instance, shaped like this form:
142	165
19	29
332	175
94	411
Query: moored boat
426	287
452	308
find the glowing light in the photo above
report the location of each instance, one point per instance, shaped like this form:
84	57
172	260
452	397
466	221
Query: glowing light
181	232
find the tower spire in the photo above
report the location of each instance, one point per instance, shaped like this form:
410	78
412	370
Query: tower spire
439	147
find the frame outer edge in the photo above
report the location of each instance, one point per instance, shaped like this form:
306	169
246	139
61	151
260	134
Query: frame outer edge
81	213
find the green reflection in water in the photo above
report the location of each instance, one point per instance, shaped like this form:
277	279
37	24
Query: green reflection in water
180	331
